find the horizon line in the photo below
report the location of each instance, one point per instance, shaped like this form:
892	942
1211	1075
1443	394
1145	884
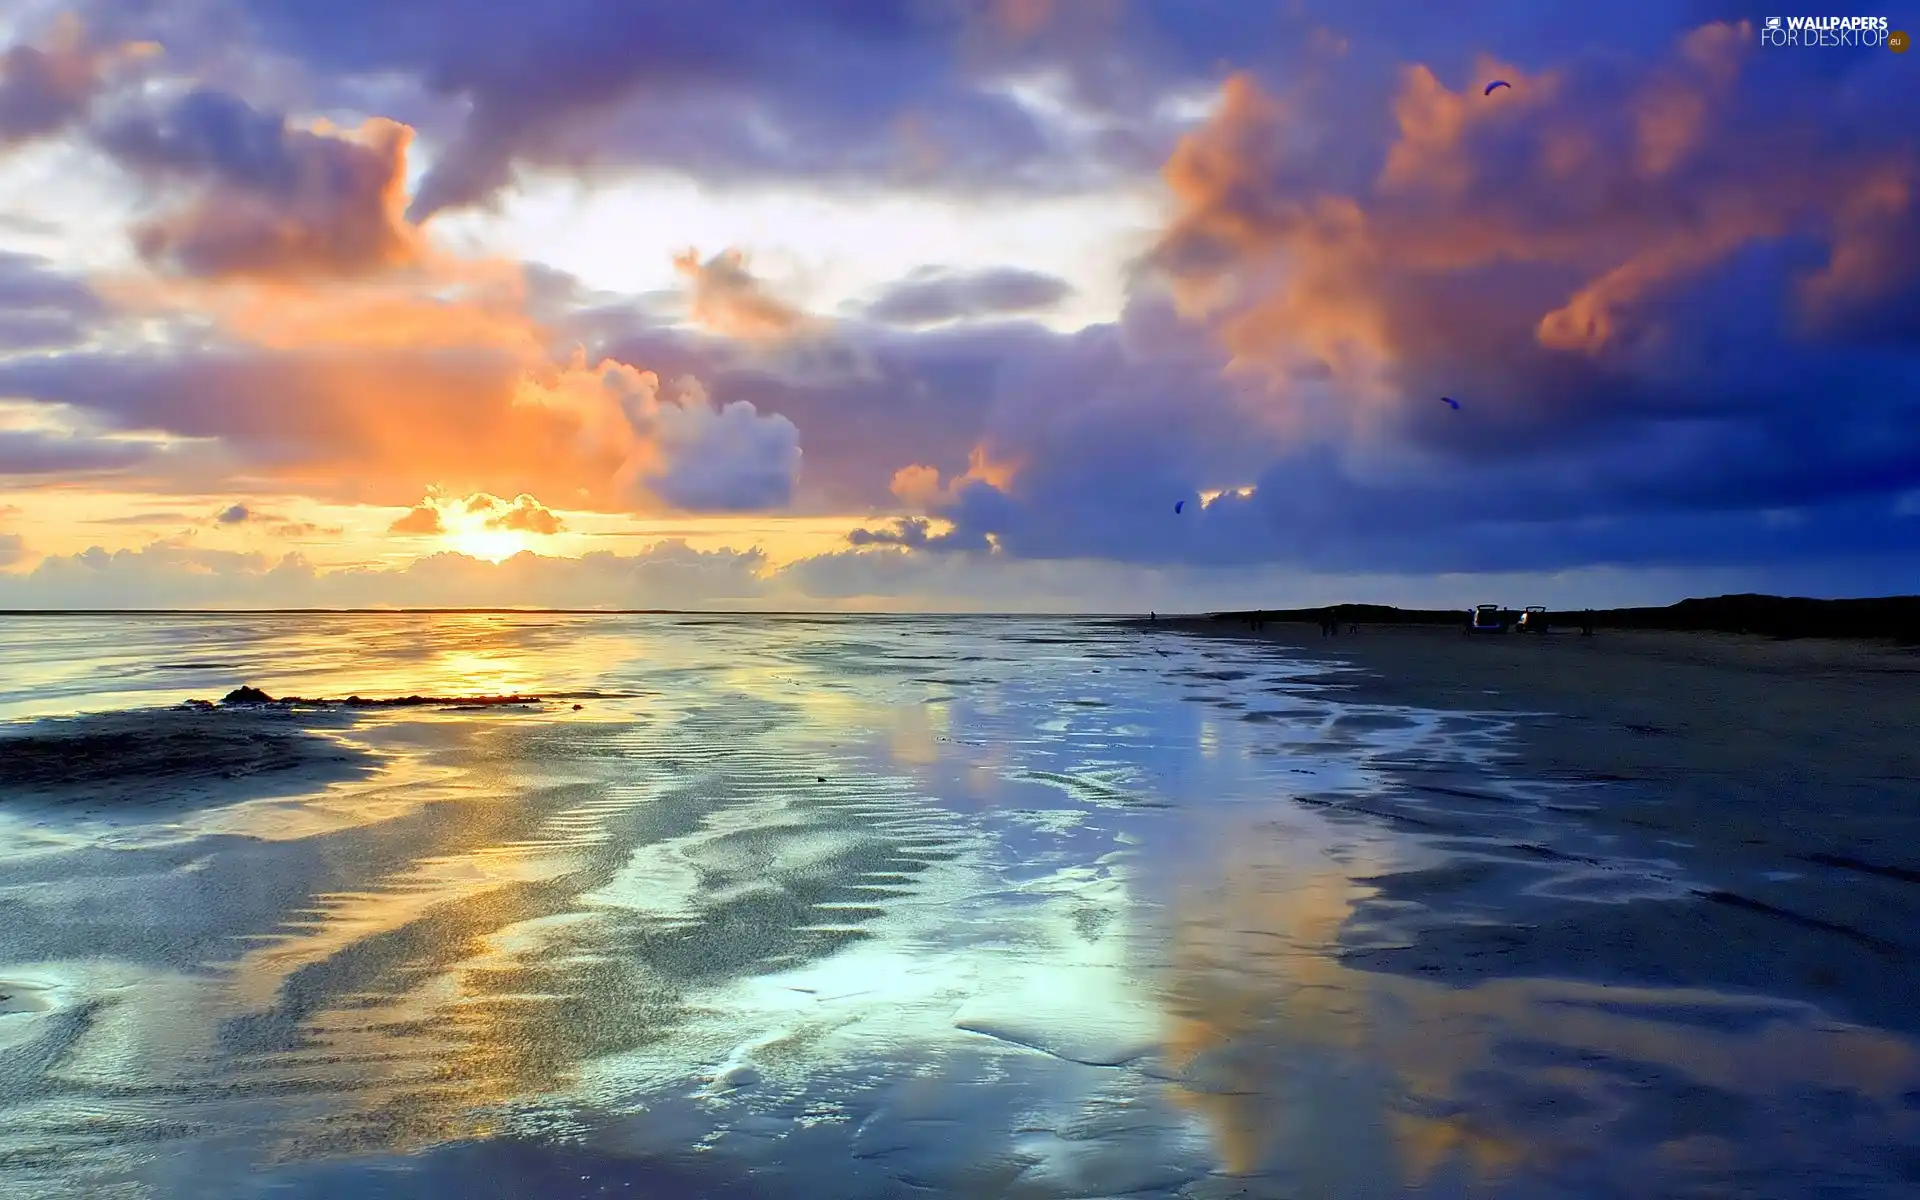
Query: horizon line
845	612
582	612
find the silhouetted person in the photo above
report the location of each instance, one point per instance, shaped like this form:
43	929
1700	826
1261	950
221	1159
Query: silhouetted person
1153	618
1586	623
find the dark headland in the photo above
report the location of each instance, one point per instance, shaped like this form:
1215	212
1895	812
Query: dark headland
1895	618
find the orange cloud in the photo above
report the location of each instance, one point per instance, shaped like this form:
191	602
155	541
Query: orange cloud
1275	269
523	514
441	513
918	486
1623	190
360	358
1673	115
421	519
350	357
1435	123
730	300
447	304
1022	18
364	387
1874	250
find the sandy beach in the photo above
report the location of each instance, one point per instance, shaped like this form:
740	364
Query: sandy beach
1752	763
1819	739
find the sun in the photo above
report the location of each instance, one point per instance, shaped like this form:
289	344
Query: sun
479	541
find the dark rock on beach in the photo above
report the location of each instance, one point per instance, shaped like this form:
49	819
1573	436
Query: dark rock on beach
249	744
247	694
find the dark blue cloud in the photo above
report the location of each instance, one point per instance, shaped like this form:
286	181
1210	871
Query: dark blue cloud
1705	360
914	533
36	453
933	295
696	86
38	330
1703	356
31	282
901	92
1792	450
42	307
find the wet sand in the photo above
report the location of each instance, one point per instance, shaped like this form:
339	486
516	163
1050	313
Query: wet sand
1778	777
169	757
1044	909
1813	740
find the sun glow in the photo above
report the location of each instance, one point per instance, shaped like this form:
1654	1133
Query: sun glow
494	545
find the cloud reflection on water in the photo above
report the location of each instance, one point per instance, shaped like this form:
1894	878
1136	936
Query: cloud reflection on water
1302	1064
776	869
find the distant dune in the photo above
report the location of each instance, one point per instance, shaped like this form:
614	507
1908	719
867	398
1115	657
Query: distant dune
1893	617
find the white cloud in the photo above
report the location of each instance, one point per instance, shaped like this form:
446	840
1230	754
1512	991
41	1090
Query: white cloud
825	251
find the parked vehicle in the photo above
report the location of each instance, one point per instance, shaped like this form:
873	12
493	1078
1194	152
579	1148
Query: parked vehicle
1487	618
1534	619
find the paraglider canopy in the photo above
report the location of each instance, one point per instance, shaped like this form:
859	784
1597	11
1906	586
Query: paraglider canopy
1498	83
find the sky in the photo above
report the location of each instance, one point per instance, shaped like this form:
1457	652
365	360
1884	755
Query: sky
944	305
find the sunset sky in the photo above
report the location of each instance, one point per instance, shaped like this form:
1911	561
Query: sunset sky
943	304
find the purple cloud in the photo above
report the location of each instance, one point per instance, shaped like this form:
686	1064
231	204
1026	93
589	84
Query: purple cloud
263	198
41	454
933	295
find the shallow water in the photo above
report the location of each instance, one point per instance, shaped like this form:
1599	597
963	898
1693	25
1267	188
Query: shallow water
863	907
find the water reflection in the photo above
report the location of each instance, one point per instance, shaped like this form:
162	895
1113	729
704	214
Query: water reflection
851	878
1304	1066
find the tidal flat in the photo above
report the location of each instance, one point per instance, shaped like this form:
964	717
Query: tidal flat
766	906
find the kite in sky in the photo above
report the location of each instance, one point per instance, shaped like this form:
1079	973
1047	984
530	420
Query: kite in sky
1450	402
1178	506
1497	83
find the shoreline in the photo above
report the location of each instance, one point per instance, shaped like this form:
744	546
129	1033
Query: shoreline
1648	706
1889	618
